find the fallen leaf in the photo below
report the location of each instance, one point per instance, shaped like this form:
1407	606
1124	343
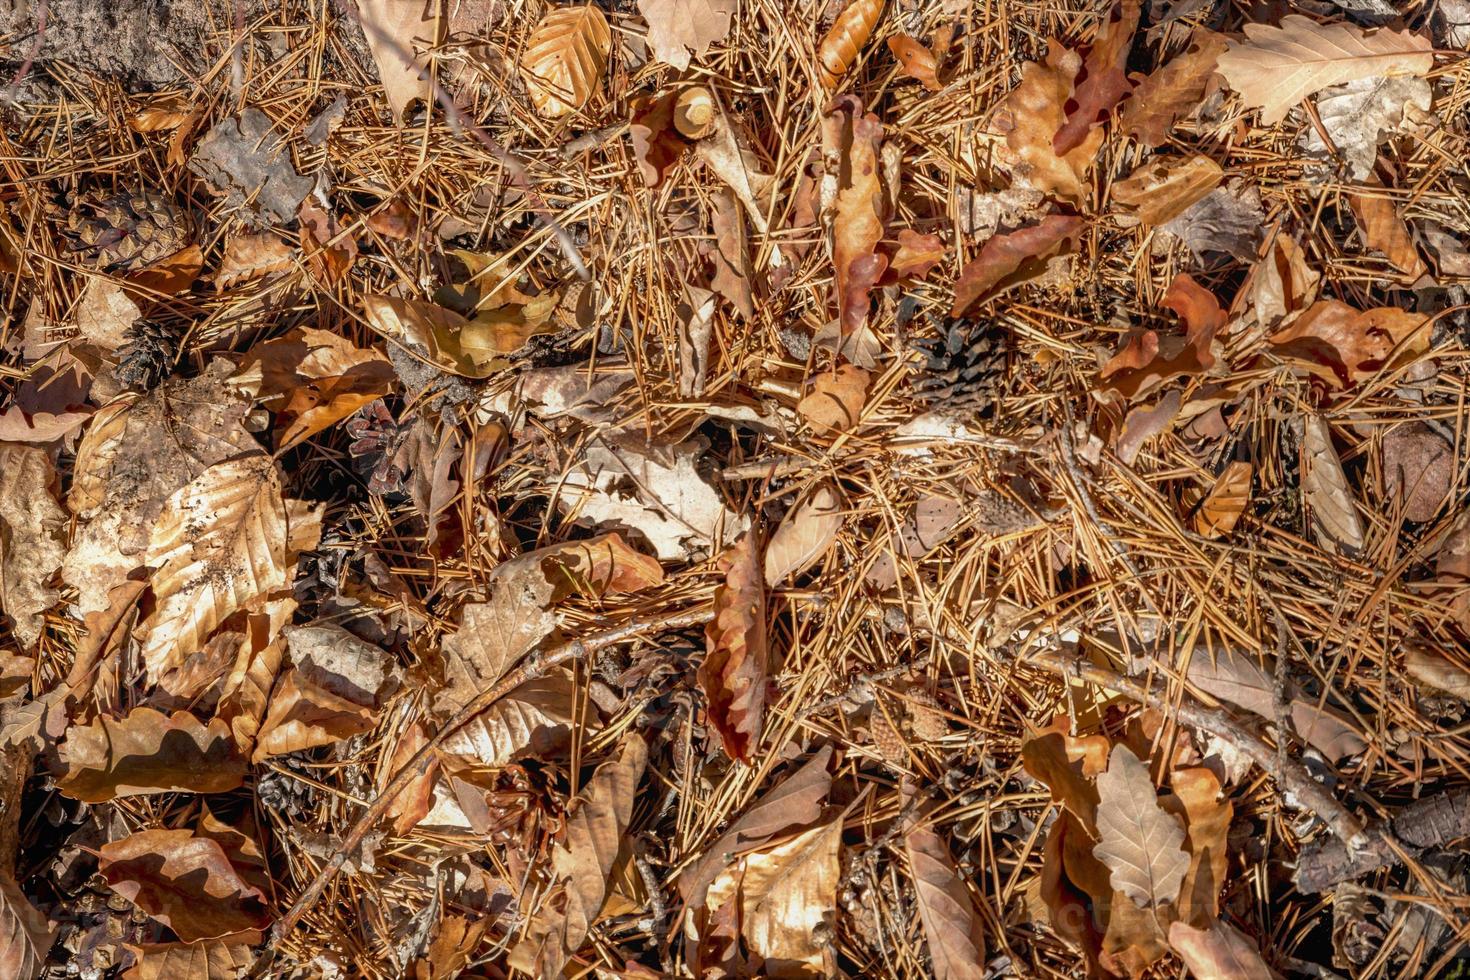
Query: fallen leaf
728	155
835	403
679	28
1220	952
1227	220
304	715
25	933
951	926
160	113
1162	189
1141	844
1102	82
597	822
1282	283
1452	569
1148	360
33	531
805	533
1226	501
1325	490
244	159
916	254
565	58
185	882
731	255
734	672
1067	763
916	60
1277	67
593	567
1173	91
1345	346
253	255
172	274
695	111
453	948
657	144
696	333
1035	112
1207	814
147	752
105	312
1420	471
396	31
246	692
1434	669
494	634
857	224
533	720
1007	260
1362	114
1134	939
1144	422
844	41
432	332
214	960
1236	677
1385	231
329	253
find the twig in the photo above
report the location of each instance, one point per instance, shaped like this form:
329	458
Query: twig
1430	822
536	665
43	11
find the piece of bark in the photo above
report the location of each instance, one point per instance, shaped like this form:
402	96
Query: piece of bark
1431	822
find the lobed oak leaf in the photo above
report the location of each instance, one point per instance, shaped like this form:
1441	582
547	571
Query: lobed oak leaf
835	403
221	959
1345	346
657	143
916	60
1277	67
170	275
805	533
843	43
857	224
1007	260
1172	92
496	633
1162	189
1219	952
1140	843
32	538
185	882
1066	763
734	672
1228	497
1103	83
679	28
1197	797
146	752
25	933
329	251
1035	112
565	58
396	31
951	926
1148	360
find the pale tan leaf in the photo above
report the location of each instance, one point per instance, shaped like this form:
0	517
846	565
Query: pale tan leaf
1434	669
1142	846
1164	188
220	542
160	113
211	960
534	720
728	154
303	714
431	332
1033	113
25	933
596	825
1220	952
916	60
397	31
565	58
679	28
951	925
805	533
1277	67
1226	501
494	634
593	567
32	538
147	752
859	211
734	672
1325	489
105	312
253	255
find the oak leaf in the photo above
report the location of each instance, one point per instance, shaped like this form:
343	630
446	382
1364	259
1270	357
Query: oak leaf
733	276
25	933
1385	231
1220	952
657	144
1172	92
1344	346
147	752
1226	501
1140	843
1103	81
1009	259
836	401
496	633
1162	189
304	715
729	155
916	60
1277	67
1148	360
857	224
329	250
843	43
185	882
916	254
951	926
32	538
734	672
679	28
1067	763
565	57
805	533
1034	112
1197	797
220	959
396	31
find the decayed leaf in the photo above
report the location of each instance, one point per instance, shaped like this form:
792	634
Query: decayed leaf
1362	114
1233	676
1277	67
951	925
679	28
1419	470
805	533
1220	952
183	881
149	752
329	250
836	401
1036	110
1226	501
916	254
842	44
565	58
428	330
1163	189
25	933
253	255
1227	220
494	634
32	538
916	60
215	960
1140	843
733	674
1007	260
1345	346
533	720
244	158
733	272
1103	80
396	30
220	542
1385	231
857	225
333	692
1172	92
581	864
592	567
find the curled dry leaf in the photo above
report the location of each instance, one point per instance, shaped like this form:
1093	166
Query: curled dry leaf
1173	91
836	401
1226	501
805	533
1325	489
916	254
1163	189
214	960
728	154
1148	360
1345	346
333	691
840	47
1035	112
679	28
951	926
1220	952
857	225
396	30
1066	763
565	58
25	933
253	255
733	674
695	112
32	538
1385	231
657	145
916	60
1277	67
188	883
1007	260
593	567
1434	669
1141	844
1207	814
1419	470
580	865
430	331
147	752
1103	81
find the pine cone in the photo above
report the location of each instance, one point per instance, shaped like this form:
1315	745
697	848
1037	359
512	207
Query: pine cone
126	231
962	367
148	356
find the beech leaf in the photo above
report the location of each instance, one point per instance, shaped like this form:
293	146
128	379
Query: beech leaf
183	881
951	926
1226	501
565	58
1103	80
1141	844
1325	489
1220	952
534	720
844	41
733	674
213	960
836	401
804	534
494	634
147	752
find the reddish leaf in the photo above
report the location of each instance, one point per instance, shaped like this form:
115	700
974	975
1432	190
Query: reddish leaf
917	61
185	882
1101	84
733	675
1344	346
657	145
916	255
836	400
1010	259
329	253
1148	360
1170	93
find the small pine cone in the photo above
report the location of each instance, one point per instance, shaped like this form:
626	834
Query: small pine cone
926	717
148	356
126	231
886	738
962	367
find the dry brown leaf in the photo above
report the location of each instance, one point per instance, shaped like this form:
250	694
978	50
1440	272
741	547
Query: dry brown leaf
733	273
1163	189
453	948
1140	843
334	690
1345	346
214	960
679	28
425	329
836	401
1282	283
1419	469
303	715
916	60
657	143
592	567
1172	92
1236	677
534	719
1220	952
1277	67
1147	360
1070	907
951	926
1385	231
33	530
1134	939
580	865
565	58
253	255
1007	260
160	113
1034	112
1435	669
1066	763
25	933
105	312
1452	569
219	543
396	31
1226	501
857	224
494	634
1325	490
245	694
1103	81
188	883
170	275
805	533
728	154
415	800
1207	815
734	672
842	44
147	752
695	110
916	254
1144	422
329	251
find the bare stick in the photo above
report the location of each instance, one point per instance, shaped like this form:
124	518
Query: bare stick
536	665
43	11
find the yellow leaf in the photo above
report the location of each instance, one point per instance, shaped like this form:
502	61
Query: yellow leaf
565	58
1163	189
